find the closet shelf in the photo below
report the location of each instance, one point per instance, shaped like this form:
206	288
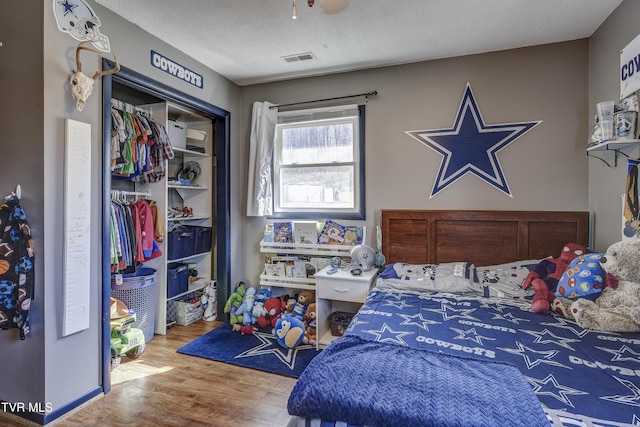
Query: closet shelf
189	257
194	286
187	218
188	187
185	152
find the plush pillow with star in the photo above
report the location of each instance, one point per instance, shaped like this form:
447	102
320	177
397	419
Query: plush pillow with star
584	278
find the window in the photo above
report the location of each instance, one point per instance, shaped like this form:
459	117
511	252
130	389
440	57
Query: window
319	163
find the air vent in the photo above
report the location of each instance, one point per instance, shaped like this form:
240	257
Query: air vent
299	57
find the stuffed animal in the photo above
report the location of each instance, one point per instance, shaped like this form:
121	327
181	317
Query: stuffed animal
244	329
263	295
258	311
246	308
310	324
234	302
273	307
305	298
545	276
617	309
289	331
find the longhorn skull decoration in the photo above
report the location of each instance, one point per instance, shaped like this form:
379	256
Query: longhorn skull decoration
81	84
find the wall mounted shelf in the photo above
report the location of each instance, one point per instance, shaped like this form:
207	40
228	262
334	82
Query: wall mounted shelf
615	145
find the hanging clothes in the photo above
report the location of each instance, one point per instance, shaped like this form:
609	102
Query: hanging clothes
139	145
132	234
16	267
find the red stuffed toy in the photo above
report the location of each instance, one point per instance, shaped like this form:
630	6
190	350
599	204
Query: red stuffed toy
274	306
546	275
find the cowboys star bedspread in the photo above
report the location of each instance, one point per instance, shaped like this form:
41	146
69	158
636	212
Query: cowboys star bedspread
447	348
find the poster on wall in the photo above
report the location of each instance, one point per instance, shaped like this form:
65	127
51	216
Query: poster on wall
471	146
630	68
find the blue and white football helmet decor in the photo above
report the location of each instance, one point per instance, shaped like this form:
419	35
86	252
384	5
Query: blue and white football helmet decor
76	18
363	257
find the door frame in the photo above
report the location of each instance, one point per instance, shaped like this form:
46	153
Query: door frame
222	123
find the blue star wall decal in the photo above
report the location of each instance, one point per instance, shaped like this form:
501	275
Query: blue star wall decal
471	146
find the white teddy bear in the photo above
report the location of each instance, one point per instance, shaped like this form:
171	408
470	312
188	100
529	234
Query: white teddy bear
616	309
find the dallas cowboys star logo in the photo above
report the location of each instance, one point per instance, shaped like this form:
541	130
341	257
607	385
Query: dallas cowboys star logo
551	387
471	146
531	358
386	334
470	335
68	7
269	345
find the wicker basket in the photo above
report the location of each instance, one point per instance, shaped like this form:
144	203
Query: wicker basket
339	322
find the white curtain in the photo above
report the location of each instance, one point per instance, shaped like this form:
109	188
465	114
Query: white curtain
259	191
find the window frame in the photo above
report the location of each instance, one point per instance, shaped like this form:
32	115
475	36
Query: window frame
358	212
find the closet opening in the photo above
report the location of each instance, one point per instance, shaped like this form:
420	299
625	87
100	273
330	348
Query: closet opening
188	187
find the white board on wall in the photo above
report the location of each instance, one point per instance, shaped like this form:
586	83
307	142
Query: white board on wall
77	226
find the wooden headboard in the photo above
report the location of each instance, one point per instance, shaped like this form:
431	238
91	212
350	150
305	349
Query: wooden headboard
478	237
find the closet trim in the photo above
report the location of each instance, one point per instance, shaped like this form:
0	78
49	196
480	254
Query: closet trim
222	120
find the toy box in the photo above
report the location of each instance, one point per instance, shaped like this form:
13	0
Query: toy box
186	310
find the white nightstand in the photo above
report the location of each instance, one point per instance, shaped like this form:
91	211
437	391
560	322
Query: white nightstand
340	291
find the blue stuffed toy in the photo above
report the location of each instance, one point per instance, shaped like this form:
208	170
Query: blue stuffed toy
289	331
246	308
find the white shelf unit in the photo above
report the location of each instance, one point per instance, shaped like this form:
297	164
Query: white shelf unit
298	249
168	194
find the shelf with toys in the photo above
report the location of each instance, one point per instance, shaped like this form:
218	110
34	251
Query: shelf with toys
295	251
616	128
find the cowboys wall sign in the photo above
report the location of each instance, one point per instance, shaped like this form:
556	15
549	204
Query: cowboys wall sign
471	146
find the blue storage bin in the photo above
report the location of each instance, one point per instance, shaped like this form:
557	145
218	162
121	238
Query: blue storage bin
181	242
203	239
177	279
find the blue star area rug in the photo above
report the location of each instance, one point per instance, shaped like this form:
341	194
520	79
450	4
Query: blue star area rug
258	351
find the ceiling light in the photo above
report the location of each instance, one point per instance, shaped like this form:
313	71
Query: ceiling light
294	15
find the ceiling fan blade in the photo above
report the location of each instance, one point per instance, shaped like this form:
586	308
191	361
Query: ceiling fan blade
334	6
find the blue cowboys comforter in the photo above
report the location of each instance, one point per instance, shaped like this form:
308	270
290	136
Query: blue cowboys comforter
580	377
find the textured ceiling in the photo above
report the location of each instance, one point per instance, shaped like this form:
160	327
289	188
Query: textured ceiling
245	40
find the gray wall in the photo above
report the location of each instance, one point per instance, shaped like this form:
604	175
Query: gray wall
21	162
606	184
546	168
32	144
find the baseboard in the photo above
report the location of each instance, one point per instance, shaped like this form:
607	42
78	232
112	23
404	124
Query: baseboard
39	413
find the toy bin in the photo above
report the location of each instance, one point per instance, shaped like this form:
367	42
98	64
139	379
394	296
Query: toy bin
339	322
177	279
177	132
181	241
203	239
138	292
186	310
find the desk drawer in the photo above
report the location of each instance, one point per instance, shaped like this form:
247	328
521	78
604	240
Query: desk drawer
343	290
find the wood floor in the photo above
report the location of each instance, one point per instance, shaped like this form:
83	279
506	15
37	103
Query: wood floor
164	388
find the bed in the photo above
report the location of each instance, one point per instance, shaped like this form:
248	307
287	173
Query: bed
446	335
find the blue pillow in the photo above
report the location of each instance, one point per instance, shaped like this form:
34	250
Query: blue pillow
583	278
